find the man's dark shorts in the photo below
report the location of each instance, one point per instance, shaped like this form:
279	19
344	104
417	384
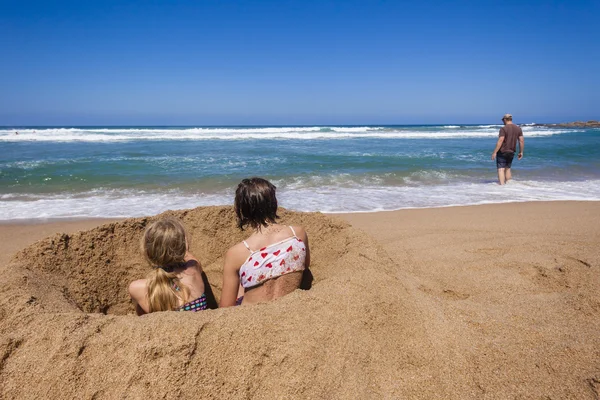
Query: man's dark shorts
504	160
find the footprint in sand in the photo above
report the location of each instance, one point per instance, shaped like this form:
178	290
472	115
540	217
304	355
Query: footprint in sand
445	293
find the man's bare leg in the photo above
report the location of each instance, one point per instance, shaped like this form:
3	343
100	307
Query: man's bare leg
501	176
508	174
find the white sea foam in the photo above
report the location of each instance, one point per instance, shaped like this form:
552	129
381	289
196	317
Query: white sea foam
275	133
300	195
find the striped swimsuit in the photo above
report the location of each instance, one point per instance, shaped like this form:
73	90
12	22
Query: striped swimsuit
198	304
195	305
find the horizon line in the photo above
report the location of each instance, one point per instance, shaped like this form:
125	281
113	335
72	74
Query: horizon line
270	125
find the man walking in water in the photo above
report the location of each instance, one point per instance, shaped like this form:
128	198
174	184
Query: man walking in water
506	147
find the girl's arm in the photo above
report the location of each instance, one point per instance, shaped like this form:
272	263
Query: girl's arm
138	292
307	260
231	278
301	232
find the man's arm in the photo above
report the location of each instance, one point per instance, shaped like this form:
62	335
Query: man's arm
521	146
498	145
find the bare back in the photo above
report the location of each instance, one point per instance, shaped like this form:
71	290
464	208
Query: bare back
273	288
241	253
189	275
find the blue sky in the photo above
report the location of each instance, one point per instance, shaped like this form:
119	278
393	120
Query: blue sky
297	62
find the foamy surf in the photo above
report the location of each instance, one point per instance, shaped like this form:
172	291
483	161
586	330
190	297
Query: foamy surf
330	199
67	135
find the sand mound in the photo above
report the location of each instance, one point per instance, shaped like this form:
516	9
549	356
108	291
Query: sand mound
67	327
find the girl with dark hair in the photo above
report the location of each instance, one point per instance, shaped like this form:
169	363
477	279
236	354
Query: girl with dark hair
270	262
176	282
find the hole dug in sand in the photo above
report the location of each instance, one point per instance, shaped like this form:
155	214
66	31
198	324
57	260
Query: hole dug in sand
55	342
91	269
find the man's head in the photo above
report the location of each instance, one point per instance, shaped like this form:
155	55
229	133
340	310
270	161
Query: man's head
507	119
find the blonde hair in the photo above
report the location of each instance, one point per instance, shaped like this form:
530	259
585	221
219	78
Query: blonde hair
164	246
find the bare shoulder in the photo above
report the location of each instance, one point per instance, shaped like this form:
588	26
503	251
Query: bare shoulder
236	254
137	289
192	262
237	248
300	232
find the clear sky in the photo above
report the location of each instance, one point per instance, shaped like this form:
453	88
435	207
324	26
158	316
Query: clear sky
297	62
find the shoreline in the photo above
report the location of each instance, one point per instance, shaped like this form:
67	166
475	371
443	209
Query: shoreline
102	220
58	220
18	234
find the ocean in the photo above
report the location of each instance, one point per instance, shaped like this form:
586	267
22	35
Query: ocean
79	172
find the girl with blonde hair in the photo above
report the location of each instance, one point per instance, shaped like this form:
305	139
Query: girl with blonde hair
176	282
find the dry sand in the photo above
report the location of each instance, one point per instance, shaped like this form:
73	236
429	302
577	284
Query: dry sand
497	301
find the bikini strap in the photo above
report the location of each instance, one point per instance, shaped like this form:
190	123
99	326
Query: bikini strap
293	231
246	244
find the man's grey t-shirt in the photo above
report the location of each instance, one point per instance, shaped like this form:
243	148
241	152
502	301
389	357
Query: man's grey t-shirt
511	133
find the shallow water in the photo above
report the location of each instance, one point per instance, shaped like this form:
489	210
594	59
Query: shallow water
49	172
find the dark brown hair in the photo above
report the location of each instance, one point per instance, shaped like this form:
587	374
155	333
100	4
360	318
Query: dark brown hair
255	203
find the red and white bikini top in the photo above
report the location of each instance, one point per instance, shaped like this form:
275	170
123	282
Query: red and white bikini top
273	261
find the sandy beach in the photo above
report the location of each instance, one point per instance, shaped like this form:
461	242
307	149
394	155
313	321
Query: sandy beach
484	283
492	301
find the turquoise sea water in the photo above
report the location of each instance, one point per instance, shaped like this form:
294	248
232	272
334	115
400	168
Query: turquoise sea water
50	172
